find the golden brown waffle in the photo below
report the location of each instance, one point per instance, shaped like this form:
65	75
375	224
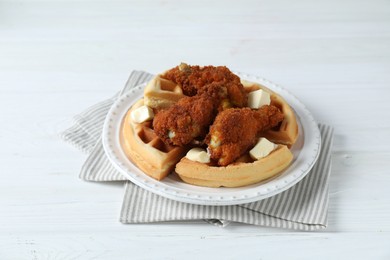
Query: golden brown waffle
287	132
162	93
245	171
158	159
240	173
145	149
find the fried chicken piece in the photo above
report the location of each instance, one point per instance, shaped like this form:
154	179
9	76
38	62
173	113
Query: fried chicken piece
193	79
236	130
188	119
218	92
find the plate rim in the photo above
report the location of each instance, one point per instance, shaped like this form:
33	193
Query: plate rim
110	141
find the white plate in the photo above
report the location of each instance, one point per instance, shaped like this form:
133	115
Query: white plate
305	150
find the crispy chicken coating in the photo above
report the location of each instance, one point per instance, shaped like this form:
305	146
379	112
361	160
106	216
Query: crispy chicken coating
218	92
188	119
193	79
236	130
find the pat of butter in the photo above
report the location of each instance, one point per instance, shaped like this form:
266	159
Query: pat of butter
198	155
262	149
142	114
258	98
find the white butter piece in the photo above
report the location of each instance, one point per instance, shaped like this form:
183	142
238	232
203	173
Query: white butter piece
262	149
142	114
258	98
198	155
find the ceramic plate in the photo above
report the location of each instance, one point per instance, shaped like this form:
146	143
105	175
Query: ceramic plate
305	150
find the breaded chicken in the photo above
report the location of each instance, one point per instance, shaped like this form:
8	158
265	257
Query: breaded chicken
236	130
193	79
218	92
188	119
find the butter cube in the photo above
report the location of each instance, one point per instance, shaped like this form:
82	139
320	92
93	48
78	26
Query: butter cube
262	149
198	155
142	114
258	98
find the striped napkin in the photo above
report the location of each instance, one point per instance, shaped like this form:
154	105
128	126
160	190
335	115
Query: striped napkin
302	207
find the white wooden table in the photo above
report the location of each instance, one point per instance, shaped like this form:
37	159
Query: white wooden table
59	57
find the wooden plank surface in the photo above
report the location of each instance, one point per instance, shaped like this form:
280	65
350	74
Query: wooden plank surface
59	57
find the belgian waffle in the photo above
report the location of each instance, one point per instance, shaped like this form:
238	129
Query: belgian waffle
287	132
243	172
161	93
158	159
145	149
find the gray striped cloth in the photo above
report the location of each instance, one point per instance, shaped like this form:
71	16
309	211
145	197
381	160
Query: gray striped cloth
302	207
